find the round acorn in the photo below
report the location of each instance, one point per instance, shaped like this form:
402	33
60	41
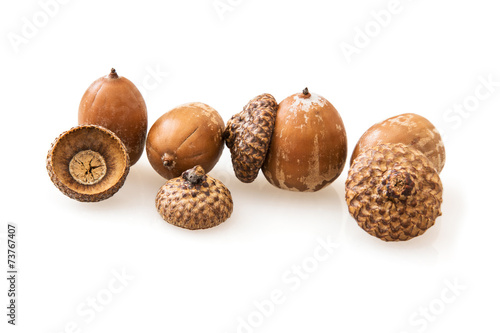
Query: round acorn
115	103
186	136
88	163
308	146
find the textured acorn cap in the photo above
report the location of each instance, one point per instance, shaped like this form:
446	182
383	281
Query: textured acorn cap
248	135
88	163
194	200
393	192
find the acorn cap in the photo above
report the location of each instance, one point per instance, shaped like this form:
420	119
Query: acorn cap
194	200
88	163
248	135
393	192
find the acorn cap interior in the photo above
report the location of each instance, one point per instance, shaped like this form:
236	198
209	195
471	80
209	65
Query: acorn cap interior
88	161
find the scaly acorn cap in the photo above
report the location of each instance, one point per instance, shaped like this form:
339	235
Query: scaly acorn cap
248	134
394	192
194	200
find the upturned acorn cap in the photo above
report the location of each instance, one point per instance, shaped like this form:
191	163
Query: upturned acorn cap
194	200
248	134
393	192
88	163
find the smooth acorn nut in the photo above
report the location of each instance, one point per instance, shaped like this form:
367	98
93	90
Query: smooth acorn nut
115	103
248	135
194	200
393	192
409	129
186	136
308	146
88	163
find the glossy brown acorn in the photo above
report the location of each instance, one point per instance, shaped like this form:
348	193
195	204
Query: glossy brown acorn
115	103
186	136
409	129
308	146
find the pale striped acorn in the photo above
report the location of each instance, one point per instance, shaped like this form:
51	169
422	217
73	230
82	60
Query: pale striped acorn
308	146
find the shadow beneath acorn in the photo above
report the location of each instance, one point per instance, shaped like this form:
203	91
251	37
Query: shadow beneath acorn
258	204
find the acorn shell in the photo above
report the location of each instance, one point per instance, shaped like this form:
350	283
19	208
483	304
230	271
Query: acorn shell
308	146
194	200
410	129
86	138
186	136
115	103
248	135
393	192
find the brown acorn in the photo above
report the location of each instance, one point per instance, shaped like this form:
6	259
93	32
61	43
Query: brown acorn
194	200
115	103
308	146
248	135
88	163
394	192
186	136
410	129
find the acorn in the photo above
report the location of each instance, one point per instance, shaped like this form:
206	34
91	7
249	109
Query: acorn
248	134
194	200
410	129
88	163
186	136
115	103
308	146
394	192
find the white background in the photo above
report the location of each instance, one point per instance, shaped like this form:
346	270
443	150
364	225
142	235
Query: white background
429	57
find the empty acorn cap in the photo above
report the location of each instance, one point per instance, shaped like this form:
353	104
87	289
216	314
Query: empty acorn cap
194	200
88	163
248	135
394	192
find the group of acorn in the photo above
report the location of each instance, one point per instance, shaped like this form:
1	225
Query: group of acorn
393	189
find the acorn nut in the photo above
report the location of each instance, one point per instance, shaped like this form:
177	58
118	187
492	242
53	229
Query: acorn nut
308	146
410	129
88	163
248	134
194	200
394	192
186	136
115	103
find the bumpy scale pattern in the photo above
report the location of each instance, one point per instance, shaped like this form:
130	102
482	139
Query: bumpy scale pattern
248	135
194	206
401	211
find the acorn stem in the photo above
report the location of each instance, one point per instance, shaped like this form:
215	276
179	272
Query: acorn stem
398	185
168	161
113	74
194	175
